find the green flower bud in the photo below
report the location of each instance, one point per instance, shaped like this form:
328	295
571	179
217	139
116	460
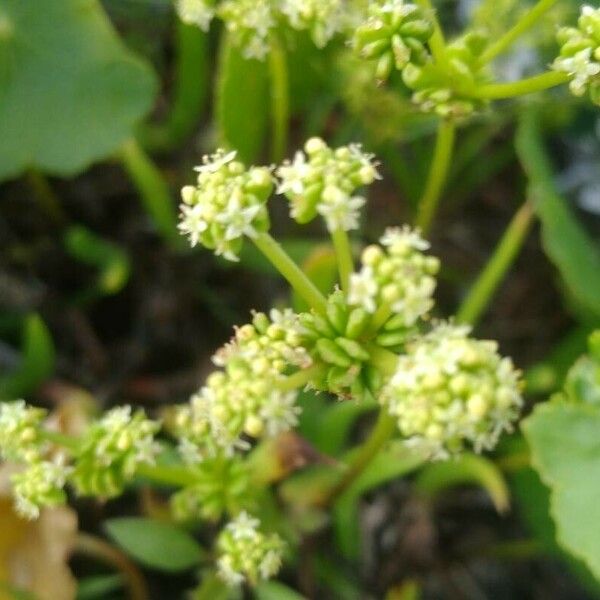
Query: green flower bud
395	34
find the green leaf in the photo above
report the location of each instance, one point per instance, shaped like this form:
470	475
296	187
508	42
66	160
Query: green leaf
565	450
392	462
273	590
98	586
111	261
242	102
37	363
565	241
70	92
155	544
465	469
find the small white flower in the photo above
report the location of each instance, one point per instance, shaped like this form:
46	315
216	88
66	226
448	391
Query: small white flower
404	237
195	12
363	290
341	212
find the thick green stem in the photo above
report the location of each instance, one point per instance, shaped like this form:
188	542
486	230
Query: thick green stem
300	378
280	102
487	283
189	94
152	188
381	433
438	173
537	83
343	252
171	475
290	270
521	26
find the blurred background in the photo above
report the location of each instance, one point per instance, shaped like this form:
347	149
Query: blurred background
105	107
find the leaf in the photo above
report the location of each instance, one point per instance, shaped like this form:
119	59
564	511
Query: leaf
392	462
111	261
155	544
70	92
467	468
565	450
273	590
565	241
242	101
98	586
37	363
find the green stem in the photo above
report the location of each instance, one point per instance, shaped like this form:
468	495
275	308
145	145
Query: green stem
152	188
506	251
436	42
300	378
280	103
343	252
61	439
537	83
290	270
521	26
167	474
438	172
46	197
189	94
382	431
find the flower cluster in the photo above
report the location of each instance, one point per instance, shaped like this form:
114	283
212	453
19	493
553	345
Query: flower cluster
40	484
580	54
445	89
196	12
244	399
227	203
249	23
398	275
246	553
322	18
20	431
323	181
395	34
449	389
112	450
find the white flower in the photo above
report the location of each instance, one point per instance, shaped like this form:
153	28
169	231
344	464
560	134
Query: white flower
363	290
340	211
279	412
212	163
581	68
293	175
195	12
404	238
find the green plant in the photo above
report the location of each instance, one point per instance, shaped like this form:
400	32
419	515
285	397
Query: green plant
264	457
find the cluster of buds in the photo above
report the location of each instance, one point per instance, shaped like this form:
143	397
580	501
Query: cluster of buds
396	276
449	389
323	181
20	427
395	34
112	450
221	485
196	12
322	18
244	399
246	554
40	484
227	203
444	89
580	54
